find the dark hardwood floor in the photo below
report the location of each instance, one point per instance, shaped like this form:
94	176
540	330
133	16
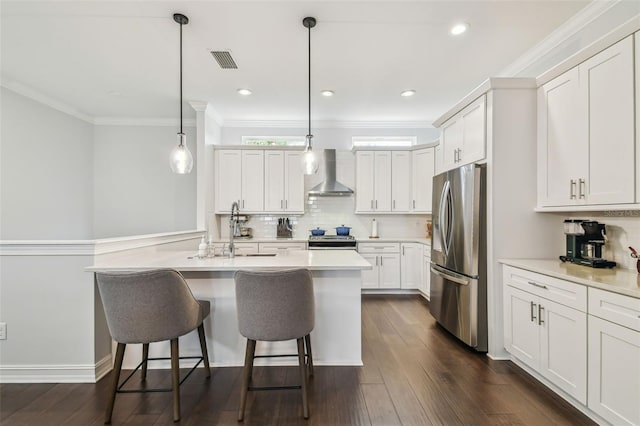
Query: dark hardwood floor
414	373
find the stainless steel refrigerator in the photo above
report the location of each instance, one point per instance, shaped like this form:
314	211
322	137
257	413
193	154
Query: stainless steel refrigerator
458	254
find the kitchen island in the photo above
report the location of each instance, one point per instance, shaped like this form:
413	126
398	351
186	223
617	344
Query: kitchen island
336	338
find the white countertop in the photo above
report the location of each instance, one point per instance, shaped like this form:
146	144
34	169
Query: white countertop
185	260
359	239
616	280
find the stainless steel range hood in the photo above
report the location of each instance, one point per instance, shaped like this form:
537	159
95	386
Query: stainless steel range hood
330	187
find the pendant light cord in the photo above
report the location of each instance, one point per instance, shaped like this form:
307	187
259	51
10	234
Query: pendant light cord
309	133
181	77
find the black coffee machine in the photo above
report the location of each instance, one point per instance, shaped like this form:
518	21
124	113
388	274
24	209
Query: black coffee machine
585	239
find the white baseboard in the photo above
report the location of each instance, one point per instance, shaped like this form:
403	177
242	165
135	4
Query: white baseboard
103	367
81	373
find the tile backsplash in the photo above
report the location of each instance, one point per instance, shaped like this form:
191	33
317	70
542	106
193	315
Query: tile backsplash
330	212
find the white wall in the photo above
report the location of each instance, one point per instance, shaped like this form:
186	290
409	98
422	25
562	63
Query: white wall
46	172
135	191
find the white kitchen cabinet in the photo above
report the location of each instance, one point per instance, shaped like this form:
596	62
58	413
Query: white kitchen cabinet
280	247
425	288
385	260
240	178
401	189
410	265
423	168
284	182
614	355
548	336
586	146
463	136
373	181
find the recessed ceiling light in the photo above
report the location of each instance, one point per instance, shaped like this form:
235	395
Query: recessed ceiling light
408	93
244	92
460	28
328	93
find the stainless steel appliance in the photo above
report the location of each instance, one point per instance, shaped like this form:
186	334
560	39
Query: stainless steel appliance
458	254
585	239
332	242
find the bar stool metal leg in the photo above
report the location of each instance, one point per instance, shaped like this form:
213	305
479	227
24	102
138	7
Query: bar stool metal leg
175	378
203	347
307	341
246	372
145	357
117	367
303	378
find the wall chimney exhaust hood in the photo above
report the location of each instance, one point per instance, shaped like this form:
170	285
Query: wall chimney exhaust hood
330	187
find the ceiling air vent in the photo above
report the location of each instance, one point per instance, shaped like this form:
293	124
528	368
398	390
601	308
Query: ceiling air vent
224	59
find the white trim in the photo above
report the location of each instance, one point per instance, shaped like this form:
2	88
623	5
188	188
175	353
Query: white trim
38	96
55	373
155	122
588	208
198	106
574	25
331	124
90	247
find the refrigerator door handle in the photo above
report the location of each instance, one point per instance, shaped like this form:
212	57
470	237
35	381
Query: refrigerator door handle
443	228
448	275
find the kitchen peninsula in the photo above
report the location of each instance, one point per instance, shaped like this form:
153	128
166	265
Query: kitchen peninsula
337	284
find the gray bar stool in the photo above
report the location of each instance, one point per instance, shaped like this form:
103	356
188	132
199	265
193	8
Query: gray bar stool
275	306
151	306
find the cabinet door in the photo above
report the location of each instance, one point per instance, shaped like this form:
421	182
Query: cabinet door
521	330
562	149
607	93
563	347
614	372
293	182
252	181
426	275
422	182
382	181
410	265
474	126
365	197
439	159
401	181
370	277
451	141
274	181
228	179
389	270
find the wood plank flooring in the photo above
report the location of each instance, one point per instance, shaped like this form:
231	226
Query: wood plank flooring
414	373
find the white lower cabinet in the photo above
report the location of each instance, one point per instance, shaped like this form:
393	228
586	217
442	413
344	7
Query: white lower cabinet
614	357
280	247
410	265
385	260
548	336
425	288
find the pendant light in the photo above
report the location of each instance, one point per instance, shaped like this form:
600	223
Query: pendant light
181	160
309	159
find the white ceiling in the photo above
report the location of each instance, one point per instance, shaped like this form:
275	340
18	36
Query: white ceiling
120	59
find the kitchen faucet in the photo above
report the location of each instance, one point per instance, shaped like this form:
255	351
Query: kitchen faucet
233	224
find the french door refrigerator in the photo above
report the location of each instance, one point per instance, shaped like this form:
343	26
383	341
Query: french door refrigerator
458	254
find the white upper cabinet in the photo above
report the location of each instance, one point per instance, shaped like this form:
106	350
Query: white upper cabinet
228	179
463	136
284	182
252	199
401	181
373	181
586	145
422	182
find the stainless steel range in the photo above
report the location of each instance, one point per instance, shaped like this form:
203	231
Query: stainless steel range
332	242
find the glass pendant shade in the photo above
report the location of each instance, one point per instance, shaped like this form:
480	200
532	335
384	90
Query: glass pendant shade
309	159
181	159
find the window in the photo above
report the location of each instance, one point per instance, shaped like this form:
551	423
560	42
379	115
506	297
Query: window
274	140
384	141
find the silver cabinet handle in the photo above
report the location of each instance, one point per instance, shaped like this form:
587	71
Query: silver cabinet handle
572	189
243	204
582	188
380	260
286	204
414	204
376	260
281	204
540	314
533	312
455	156
403	250
394	204
537	285
459	154
376	204
371	204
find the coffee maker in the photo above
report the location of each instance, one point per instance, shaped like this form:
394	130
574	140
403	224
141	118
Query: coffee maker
585	239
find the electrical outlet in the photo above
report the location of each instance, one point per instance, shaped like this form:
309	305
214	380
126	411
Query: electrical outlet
3	331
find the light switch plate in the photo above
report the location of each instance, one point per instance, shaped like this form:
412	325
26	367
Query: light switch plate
3	331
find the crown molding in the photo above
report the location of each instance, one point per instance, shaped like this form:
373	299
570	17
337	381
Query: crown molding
128	121
571	27
301	124
40	97
202	106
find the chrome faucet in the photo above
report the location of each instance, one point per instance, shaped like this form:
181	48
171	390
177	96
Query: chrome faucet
233	225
